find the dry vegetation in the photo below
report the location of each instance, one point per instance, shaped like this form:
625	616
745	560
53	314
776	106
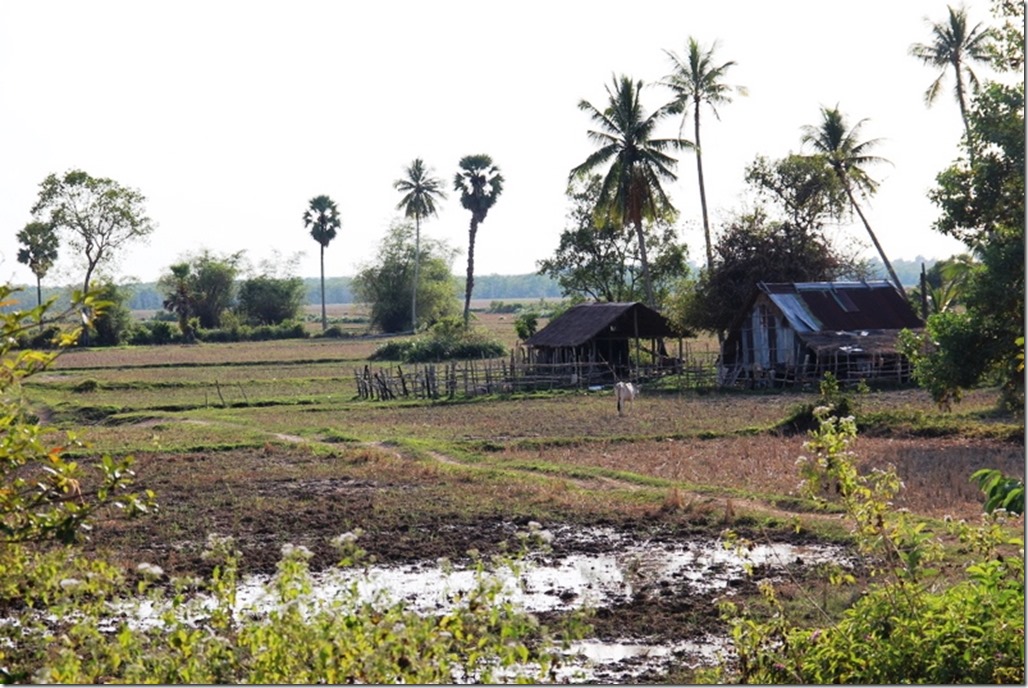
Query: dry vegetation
267	441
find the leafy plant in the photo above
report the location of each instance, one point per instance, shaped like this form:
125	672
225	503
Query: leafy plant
1001	491
909	625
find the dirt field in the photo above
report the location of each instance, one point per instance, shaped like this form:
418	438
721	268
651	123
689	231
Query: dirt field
303	461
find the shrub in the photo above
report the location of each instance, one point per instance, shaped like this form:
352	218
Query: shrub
907	626
447	340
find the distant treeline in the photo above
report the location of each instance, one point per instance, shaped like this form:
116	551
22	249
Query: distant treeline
145	296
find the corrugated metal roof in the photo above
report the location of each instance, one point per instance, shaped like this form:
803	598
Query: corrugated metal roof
795	311
834	306
579	324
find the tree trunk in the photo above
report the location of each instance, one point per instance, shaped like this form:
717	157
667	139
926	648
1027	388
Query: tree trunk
703	205
874	239
417	264
472	231
703	191
651	301
39	298
324	316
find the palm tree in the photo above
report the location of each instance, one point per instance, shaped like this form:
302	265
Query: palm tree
322	217
39	242
847	157
631	189
420	191
697	80
480	184
954	45
179	300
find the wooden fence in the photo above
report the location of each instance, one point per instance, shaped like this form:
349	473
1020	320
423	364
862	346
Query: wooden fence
695	369
508	375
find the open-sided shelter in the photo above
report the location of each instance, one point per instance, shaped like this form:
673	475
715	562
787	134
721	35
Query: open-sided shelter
594	341
800	330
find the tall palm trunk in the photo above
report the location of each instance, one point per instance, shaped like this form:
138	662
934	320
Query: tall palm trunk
962	101
324	315
651	301
703	190
417	264
470	284
874	239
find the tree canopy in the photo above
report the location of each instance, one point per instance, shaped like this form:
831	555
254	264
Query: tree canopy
602	262
98	215
386	283
637	164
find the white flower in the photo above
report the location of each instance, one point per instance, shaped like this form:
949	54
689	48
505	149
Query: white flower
70	583
150	570
290	550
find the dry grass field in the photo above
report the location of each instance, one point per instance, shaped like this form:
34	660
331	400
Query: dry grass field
268	442
218	397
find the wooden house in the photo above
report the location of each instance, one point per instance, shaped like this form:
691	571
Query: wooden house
595	341
797	331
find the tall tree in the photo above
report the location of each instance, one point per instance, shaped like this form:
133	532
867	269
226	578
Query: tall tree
322	218
385	283
696	81
955	46
631	190
847	156
479	183
602	262
420	191
99	215
39	244
179	298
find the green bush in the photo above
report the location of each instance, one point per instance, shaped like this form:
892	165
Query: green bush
446	341
909	625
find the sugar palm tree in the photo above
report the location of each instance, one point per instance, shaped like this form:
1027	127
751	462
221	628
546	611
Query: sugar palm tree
696	81
631	190
479	183
847	156
420	191
322	217
39	242
955	46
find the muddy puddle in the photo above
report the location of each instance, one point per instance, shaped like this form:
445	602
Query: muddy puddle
598	569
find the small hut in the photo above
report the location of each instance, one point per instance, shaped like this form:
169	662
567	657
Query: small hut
799	330
594	341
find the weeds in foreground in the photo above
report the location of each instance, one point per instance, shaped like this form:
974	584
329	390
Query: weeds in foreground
909	625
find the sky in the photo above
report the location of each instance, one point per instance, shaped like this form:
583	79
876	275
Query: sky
230	115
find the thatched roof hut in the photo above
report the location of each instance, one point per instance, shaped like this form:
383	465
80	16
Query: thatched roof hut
596	338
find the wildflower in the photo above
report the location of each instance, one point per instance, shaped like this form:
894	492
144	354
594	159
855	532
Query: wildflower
70	583
348	538
289	550
150	570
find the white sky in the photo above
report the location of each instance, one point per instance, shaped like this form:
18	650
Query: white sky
230	115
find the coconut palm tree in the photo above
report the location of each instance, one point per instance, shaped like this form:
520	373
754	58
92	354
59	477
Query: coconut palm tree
479	183
847	157
420	192
322	217
696	81
955	45
631	191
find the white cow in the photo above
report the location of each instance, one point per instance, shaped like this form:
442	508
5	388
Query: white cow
625	392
